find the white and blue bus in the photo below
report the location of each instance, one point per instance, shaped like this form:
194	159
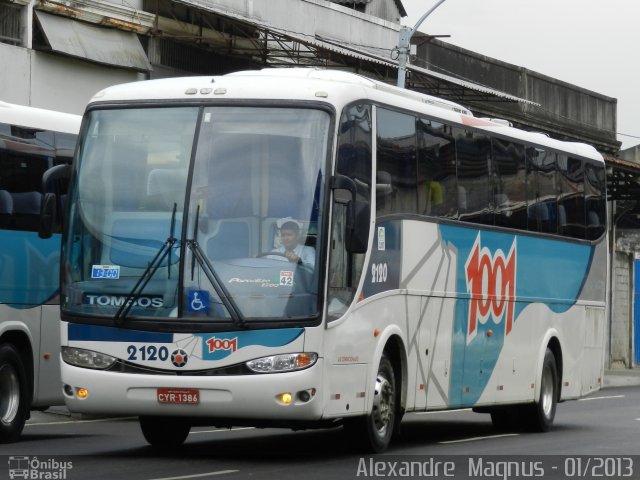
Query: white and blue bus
32	141
443	261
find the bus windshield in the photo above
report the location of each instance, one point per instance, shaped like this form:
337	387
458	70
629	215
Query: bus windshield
206	213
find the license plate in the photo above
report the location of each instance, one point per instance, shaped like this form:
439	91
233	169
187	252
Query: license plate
182	396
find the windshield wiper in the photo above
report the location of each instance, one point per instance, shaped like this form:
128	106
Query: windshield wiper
199	256
152	267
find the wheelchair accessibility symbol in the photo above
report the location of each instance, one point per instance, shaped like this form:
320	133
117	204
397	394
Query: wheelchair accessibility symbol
198	301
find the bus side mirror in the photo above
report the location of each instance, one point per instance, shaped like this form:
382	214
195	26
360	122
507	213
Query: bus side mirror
358	213
47	215
48	207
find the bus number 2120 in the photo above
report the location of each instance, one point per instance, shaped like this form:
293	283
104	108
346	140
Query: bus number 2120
147	352
378	272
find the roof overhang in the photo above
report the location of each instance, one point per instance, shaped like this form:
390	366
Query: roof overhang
283	47
107	46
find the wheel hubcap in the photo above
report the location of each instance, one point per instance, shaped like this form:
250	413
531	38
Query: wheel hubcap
9	394
546	395
382	405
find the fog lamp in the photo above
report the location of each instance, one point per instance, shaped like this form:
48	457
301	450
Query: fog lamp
285	398
82	392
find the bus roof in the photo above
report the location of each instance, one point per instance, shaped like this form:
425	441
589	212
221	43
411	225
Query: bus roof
39	118
334	87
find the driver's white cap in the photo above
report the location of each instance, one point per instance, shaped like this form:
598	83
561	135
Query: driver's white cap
285	220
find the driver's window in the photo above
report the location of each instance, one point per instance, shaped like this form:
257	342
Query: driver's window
354	161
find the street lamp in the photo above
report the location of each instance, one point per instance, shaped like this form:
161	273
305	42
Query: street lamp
404	44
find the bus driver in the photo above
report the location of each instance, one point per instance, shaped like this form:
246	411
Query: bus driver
290	245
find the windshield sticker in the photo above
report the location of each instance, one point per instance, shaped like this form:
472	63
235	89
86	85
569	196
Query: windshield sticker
263	282
286	278
143	301
198	301
105	271
381	239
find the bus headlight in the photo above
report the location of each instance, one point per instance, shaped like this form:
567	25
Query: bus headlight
283	363
87	358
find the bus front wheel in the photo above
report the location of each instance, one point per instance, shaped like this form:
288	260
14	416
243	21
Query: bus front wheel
14	398
164	432
375	430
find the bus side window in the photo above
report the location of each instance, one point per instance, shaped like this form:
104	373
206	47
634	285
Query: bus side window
353	161
21	182
396	163
542	195
510	184
473	153
594	200
438	192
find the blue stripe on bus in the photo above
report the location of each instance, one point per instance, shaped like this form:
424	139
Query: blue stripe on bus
95	333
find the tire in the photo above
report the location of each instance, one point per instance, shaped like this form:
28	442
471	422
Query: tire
374	431
543	411
164	432
14	394
502	419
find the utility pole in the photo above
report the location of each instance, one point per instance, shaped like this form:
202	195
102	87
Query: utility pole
404	44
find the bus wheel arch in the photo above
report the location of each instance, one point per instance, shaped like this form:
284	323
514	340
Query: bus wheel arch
395	351
22	343
373	431
556	349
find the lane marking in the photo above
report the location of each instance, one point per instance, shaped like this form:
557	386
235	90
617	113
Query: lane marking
198	475
443	411
97	420
600	398
222	430
475	439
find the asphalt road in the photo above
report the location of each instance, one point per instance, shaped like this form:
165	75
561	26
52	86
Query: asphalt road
604	426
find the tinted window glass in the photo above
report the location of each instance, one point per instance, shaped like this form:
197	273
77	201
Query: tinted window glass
510	184
594	200
542	192
396	174
25	154
354	147
571	197
353	161
475	192
437	183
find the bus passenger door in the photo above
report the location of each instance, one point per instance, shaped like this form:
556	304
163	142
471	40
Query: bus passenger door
49	386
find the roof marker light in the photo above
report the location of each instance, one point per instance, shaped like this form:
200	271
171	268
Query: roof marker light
206	91
191	91
322	94
220	91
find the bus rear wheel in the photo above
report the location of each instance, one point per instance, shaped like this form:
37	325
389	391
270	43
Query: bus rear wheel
164	432
374	431
543	411
14	398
